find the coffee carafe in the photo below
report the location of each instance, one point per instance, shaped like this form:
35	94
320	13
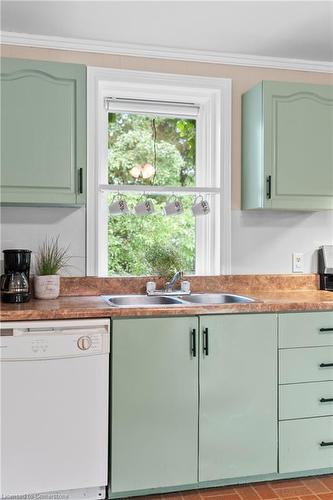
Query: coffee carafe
15	286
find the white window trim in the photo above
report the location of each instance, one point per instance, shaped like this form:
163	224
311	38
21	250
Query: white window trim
214	97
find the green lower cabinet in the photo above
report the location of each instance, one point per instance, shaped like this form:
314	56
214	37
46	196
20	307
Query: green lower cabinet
238	396
195	400
184	411
154	414
287	154
306	392
43	132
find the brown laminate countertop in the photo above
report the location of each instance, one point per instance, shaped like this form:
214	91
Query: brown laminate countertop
71	307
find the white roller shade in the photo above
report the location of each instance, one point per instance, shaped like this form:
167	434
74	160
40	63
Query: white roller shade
150	107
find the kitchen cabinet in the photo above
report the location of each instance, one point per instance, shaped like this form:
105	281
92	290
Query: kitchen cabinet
287	154
43	133
160	435
154	425
308	399
305	391
307	364
238	396
304	444
309	329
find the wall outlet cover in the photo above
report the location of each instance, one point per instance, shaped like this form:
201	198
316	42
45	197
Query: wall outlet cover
298	262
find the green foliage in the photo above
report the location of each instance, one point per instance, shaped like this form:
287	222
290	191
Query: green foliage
51	258
132	238
131	142
165	260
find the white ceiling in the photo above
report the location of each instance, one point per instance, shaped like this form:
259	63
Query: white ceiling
298	29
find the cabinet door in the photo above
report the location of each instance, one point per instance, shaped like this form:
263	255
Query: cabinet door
43	132
298	153
238	396
154	415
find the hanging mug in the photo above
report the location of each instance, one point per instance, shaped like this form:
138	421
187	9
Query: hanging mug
174	207
200	207
118	206
144	208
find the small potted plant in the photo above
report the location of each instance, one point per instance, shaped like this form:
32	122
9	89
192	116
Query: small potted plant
51	258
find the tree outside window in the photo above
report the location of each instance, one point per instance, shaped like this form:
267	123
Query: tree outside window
169	145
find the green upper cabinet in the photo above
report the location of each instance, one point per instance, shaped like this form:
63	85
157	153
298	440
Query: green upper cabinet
287	146
43	132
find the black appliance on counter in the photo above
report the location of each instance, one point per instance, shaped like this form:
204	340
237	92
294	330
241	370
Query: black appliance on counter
325	267
15	285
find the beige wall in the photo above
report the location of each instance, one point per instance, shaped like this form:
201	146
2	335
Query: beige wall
242	77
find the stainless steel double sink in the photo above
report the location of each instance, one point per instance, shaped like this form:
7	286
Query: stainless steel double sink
174	300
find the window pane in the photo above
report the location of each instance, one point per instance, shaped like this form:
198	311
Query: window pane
130	237
168	144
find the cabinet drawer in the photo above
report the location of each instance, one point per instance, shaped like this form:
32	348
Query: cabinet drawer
306	329
301	444
305	400
310	364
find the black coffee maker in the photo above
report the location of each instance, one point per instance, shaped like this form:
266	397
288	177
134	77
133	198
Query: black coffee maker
15	286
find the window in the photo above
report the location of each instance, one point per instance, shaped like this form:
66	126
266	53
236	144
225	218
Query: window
157	137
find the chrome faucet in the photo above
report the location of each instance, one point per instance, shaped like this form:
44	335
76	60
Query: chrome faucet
170	284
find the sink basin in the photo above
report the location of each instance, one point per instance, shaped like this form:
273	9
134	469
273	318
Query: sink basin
141	300
164	300
216	298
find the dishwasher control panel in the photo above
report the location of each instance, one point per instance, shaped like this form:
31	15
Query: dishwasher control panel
42	343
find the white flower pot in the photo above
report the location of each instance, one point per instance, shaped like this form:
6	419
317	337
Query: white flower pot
47	287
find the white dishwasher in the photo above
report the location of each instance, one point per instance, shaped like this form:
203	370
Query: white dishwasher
54	383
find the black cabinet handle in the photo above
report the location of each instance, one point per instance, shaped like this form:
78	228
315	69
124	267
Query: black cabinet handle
325	400
193	343
205	341
326	329
81	180
326	443
268	187
325	365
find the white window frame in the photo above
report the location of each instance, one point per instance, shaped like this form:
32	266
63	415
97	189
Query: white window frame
213	96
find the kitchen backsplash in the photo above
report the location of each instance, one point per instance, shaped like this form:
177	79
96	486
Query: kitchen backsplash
249	284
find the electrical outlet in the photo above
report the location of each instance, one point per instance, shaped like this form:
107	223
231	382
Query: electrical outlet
298	262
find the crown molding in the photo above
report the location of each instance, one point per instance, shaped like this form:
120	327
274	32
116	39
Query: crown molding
157	52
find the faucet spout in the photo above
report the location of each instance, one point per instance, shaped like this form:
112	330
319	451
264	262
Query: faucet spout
170	284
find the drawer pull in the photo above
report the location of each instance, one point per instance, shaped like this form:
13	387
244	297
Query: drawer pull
325	365
324	443
326	329
325	400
